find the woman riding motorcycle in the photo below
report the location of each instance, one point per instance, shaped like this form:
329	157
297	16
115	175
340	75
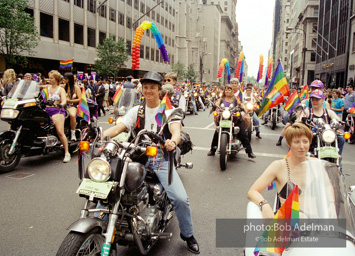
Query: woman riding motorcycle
227	99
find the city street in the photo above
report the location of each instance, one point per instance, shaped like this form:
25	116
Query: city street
37	209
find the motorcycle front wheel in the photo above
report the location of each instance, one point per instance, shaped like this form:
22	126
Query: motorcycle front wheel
8	162
81	244
224	151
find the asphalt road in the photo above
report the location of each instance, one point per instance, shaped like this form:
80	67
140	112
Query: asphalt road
36	210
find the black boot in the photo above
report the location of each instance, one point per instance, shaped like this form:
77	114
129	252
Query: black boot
258	135
251	155
192	244
279	141
211	152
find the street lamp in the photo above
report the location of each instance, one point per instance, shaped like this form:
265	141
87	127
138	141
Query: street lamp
201	64
289	30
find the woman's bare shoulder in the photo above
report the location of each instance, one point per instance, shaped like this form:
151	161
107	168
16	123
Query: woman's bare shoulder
276	165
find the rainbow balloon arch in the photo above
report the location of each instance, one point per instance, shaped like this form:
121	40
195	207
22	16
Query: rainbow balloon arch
224	63
137	42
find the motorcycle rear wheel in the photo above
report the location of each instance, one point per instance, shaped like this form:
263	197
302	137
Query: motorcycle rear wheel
81	244
8	162
223	157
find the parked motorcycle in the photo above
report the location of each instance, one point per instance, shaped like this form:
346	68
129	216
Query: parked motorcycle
136	204
228	143
32	131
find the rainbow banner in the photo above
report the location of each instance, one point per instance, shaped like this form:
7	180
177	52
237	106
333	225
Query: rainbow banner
83	107
268	71
66	63
138	91
45	94
352	109
242	70
289	211
137	42
292	102
117	95
240	94
261	66
164	105
304	92
224	63
239	65
198	84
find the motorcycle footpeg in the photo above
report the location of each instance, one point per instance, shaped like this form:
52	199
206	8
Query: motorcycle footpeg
165	235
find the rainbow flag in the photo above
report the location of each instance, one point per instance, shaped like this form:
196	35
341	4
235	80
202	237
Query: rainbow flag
240	94
188	83
66	63
276	90
139	90
242	70
45	94
198	84
83	107
304	92
206	93
165	104
288	211
292	102
117	95
352	109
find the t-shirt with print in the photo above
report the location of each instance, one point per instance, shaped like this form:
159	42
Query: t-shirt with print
337	104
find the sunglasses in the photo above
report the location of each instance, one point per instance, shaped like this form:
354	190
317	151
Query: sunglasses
168	80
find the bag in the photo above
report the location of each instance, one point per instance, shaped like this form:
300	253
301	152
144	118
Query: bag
185	144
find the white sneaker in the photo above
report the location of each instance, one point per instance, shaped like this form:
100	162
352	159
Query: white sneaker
73	137
67	158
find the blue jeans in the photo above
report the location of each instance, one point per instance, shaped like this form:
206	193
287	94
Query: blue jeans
256	122
200	100
193	101
176	192
341	142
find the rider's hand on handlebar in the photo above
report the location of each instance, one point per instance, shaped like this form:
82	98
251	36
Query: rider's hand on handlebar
170	145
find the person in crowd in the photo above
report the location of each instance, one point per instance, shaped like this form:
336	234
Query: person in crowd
316	85
73	98
28	77
178	99
227	99
57	113
9	79
128	83
248	96
349	99
337	104
152	87
298	138
106	102
100	94
168	89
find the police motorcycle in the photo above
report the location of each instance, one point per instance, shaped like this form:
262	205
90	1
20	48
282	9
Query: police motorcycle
32	131
136	204
228	143
324	201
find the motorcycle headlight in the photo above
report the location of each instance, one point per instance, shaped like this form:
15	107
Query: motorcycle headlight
99	170
186	95
213	94
220	95
329	136
249	106
226	114
195	94
9	113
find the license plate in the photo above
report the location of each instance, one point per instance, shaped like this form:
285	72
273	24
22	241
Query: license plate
95	189
225	123
330	152
10	103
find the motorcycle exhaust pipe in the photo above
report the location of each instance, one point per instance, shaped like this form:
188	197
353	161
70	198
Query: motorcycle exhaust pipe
165	235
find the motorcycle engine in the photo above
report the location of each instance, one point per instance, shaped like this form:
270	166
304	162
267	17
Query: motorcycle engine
151	216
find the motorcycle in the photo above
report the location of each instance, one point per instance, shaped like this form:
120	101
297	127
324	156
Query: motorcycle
189	106
31	130
333	206
126	102
275	116
228	143
250	108
137	206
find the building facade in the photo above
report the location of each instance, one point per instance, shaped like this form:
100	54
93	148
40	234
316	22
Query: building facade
351	66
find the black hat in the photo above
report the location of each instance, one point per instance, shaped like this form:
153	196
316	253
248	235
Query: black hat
152	76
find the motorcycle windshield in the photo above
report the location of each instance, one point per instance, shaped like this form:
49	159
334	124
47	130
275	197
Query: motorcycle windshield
322	192
128	98
24	90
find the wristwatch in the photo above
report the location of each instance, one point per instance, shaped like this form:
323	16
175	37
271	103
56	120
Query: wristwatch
262	202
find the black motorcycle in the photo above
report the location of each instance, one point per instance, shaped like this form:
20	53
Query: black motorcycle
32	131
135	204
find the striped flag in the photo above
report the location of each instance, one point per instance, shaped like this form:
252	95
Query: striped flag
45	94
304	92
66	63
292	102
164	105
83	107
117	95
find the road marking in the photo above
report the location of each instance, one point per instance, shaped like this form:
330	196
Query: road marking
20	175
208	126
279	156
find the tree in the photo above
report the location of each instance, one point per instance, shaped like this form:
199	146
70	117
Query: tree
18	34
251	79
111	56
191	74
179	69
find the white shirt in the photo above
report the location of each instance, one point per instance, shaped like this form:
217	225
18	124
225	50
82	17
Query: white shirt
130	119
182	103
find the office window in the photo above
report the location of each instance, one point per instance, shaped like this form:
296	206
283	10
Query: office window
121	18
166	23
79	3
162	20
225	9
148	11
29	11
147	53
157	55
315	27
136	4
129	22
172	59
285	59
153	15
78	34
162	5
286	43
174	12
173	27
147	33
169	25
158	17
173	43
170	10
141	52
287	21
113	37
313	56
46	25
142	7
102	37
102	11
91	37
113	15
129	2
129	45
285	51
166	7
353	50
92	6
314	43
152	54
315	11
63	30
166	39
